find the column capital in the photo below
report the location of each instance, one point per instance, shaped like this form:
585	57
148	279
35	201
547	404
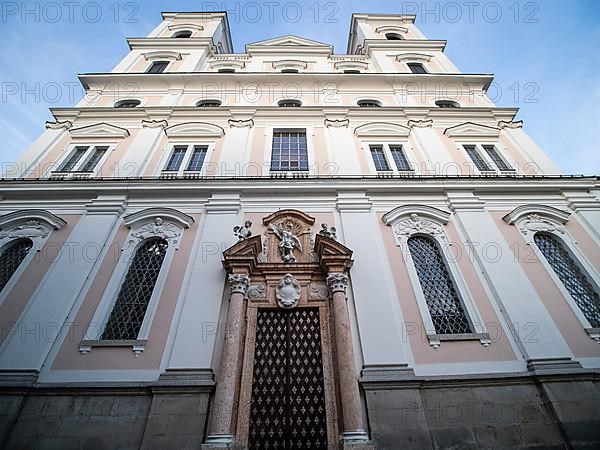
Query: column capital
337	282
238	283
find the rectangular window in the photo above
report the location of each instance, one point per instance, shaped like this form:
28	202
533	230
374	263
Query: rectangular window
289	150
70	164
176	158
381	164
97	155
197	159
497	159
158	67
476	158
417	68
400	159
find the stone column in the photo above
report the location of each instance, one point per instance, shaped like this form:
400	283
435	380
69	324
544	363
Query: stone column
220	433
353	429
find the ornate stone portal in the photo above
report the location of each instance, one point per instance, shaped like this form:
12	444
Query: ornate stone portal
295	306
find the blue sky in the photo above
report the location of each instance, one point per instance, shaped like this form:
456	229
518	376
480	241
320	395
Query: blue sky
544	55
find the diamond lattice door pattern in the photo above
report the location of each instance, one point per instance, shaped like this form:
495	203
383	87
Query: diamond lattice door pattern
288	396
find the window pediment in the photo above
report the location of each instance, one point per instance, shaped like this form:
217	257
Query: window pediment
391	29
361	66
534	218
409	220
470	130
100	130
289	64
185	26
234	64
413	57
162	55
195	129
31	215
150	214
381	129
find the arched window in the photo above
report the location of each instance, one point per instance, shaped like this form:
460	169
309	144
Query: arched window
126	104
12	257
393	37
130	308
441	296
571	276
184	34
289	104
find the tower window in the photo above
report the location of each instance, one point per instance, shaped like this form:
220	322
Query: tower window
352	71
369	103
417	68
126	104
12	257
289	71
128	314
445	307
289	103
185	34
571	276
208	103
393	37
447	104
226	70
289	151
158	67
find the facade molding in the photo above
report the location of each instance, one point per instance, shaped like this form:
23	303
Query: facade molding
470	130
195	129
381	129
100	130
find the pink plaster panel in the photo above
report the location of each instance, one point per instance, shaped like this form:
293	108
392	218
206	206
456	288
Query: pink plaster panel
450	352
117	358
571	329
159	151
16	301
53	156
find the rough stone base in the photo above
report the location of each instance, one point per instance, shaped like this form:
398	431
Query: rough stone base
503	414
104	420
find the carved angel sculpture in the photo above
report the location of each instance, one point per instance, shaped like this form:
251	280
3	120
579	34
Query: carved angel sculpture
288	242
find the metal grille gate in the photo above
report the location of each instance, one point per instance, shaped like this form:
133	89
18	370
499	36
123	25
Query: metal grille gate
288	397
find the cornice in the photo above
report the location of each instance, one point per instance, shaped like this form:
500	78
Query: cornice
406	45
160	43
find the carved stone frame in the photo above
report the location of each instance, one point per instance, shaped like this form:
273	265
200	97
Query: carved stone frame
266	271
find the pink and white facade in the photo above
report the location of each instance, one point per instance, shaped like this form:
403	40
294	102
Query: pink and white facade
457	304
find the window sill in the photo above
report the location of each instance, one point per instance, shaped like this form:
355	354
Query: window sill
138	346
435	340
593	333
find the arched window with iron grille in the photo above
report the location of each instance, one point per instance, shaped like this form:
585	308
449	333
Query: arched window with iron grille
575	281
444	304
12	257
128	314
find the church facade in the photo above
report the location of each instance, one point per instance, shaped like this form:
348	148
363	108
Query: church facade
295	248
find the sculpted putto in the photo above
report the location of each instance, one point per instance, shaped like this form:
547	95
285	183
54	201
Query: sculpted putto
288	242
243	232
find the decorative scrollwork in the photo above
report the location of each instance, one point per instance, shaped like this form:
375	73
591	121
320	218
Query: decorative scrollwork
158	228
415	224
31	229
534	223
257	291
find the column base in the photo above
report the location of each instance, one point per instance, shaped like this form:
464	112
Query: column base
355	440
217	441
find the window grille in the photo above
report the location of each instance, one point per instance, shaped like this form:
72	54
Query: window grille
127	316
572	277
11	259
445	307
